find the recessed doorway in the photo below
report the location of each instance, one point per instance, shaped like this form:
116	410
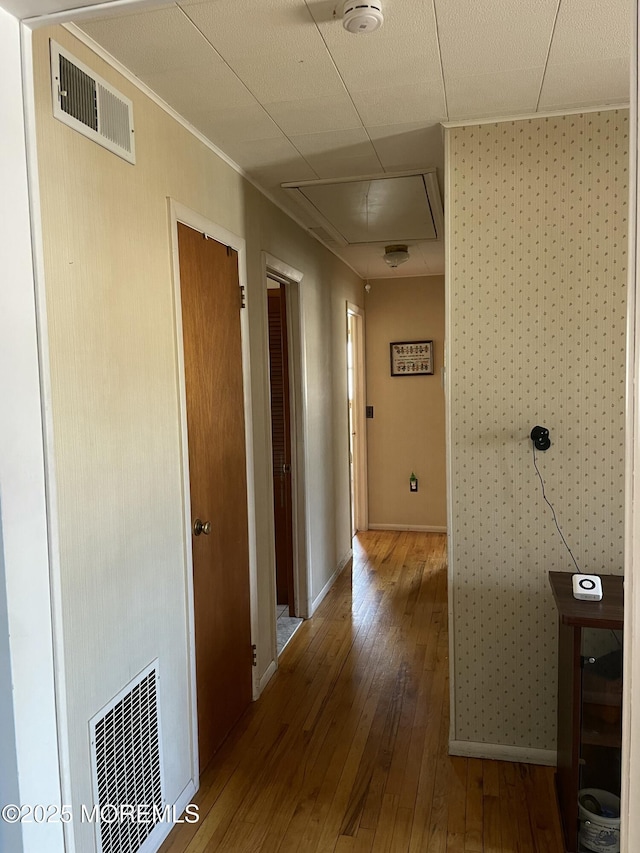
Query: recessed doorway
287	416
357	433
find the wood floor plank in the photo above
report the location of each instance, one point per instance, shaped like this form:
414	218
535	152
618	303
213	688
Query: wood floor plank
457	804
347	749
473	813
546	827
491	835
490	779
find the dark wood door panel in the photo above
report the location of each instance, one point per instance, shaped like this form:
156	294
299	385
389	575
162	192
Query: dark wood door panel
210	300
281	444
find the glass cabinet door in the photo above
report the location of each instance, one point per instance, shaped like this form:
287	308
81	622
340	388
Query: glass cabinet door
600	734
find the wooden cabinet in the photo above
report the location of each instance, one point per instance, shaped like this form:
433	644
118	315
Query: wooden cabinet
589	695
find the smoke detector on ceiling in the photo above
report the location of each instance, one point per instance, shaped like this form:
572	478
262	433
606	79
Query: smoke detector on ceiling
362	16
395	255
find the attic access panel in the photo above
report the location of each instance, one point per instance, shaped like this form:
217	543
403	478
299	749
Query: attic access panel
376	209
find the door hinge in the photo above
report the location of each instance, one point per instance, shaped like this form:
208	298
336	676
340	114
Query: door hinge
243	302
254	652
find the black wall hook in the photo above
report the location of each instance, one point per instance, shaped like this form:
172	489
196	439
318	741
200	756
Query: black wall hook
540	438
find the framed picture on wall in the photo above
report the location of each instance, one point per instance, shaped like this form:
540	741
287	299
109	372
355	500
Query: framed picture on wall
411	358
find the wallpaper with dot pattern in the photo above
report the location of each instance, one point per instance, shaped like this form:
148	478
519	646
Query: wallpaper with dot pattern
537	230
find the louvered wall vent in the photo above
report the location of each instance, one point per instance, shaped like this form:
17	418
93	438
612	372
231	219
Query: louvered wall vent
126	759
87	103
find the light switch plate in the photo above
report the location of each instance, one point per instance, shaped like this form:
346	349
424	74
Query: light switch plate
587	587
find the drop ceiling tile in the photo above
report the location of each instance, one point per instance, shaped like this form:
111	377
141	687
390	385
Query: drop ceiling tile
233	18
270	155
401	104
242	26
237	124
192	91
414	145
151	42
432	254
402	52
353	141
314	115
274	46
339	154
289	78
370	262
494	35
589	30
585	84
487	95
367	261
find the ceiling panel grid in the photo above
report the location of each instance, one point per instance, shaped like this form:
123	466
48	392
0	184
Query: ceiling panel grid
289	95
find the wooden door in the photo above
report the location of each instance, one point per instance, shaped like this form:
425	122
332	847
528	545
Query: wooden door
281	438
211	305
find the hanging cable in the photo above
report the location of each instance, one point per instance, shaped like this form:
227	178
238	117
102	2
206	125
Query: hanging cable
553	512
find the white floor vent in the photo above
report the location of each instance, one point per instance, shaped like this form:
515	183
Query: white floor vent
87	103
127	766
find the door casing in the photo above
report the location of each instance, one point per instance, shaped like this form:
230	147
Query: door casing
360	484
293	289
180	213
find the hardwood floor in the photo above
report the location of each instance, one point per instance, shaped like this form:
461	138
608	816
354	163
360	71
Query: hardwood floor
346	750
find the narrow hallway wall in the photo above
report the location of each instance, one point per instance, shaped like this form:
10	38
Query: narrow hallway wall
537	236
407	432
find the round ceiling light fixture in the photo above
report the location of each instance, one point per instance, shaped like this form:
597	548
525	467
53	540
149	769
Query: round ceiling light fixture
396	255
362	16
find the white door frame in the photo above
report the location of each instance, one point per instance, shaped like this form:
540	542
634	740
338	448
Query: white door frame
180	213
360	481
34	711
292	279
630	817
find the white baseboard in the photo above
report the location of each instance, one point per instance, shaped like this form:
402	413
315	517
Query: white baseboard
498	752
161	830
325	589
418	528
267	676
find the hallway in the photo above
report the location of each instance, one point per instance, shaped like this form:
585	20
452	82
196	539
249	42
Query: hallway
347	748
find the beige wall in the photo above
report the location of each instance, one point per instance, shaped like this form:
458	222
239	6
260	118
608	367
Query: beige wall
407	432
537	238
119	501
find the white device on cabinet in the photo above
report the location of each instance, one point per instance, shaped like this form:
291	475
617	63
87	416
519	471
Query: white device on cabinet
587	587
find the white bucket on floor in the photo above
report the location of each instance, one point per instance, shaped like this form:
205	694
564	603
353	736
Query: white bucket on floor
600	833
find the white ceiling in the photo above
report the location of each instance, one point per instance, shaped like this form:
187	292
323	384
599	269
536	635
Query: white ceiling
289	95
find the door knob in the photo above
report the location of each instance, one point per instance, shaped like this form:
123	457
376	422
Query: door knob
201	527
